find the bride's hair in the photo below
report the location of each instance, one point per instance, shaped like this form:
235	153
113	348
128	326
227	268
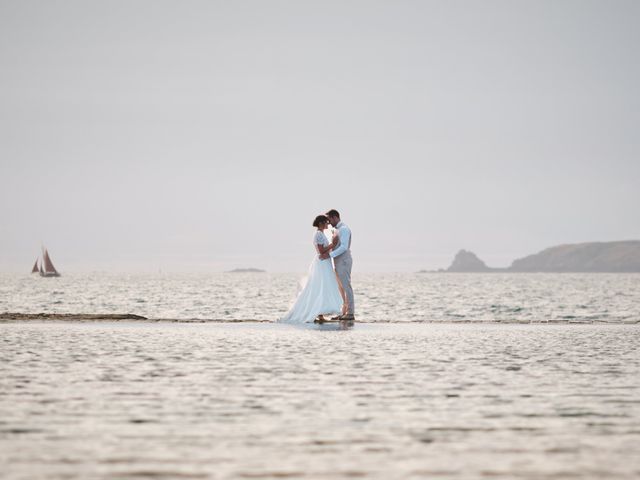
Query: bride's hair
320	219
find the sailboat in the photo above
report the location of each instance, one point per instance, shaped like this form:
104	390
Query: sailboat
45	268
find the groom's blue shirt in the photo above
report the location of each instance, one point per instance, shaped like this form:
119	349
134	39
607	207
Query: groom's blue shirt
345	240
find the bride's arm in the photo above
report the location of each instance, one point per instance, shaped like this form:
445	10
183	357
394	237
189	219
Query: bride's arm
322	250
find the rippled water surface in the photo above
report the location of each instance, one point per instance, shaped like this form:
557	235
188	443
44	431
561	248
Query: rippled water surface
223	401
496	297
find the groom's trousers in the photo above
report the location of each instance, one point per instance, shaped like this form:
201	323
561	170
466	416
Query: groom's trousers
343	265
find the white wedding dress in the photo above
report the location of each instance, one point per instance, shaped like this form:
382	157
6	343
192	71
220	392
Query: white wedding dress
320	295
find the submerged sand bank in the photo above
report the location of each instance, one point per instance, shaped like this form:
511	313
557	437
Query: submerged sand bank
71	316
103	317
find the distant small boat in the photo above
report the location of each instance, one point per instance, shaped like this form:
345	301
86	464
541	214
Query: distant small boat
45	268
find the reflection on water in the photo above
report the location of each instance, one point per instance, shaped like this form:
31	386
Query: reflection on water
226	401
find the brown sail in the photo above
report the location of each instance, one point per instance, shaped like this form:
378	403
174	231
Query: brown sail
49	269
35	267
48	265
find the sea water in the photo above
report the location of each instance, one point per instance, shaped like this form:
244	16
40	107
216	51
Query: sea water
271	401
476	376
495	297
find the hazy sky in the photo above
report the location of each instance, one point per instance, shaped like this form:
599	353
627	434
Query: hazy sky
203	135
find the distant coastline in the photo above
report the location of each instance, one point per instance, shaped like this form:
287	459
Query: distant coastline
591	257
246	270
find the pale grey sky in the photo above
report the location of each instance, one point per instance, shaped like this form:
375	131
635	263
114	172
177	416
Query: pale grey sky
203	135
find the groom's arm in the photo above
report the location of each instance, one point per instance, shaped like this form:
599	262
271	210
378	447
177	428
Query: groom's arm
345	236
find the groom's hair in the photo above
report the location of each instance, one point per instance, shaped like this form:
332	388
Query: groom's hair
332	213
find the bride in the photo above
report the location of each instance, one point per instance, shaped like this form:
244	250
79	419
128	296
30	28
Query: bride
320	294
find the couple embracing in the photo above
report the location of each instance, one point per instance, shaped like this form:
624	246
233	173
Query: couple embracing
327	292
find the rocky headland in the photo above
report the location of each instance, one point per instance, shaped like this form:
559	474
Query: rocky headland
601	257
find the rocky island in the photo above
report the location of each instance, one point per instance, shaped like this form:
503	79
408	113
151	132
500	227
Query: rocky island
597	257
466	261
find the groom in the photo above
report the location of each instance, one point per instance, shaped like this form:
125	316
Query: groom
342	261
